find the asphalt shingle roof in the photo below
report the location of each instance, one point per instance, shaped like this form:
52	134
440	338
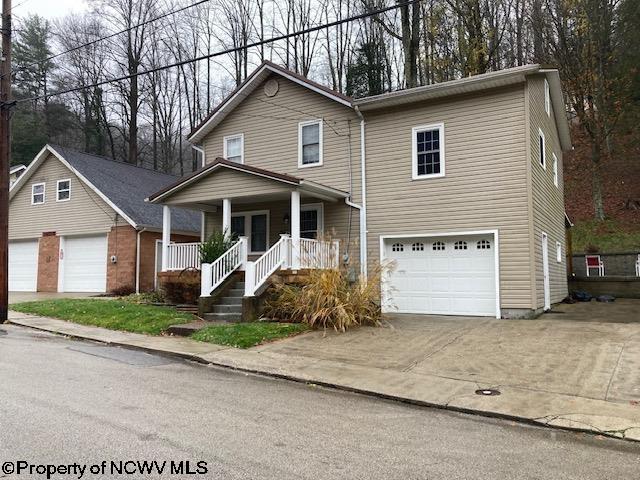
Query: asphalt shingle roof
127	186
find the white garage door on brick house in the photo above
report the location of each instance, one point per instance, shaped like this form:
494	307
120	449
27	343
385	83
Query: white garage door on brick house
84	264
23	265
441	275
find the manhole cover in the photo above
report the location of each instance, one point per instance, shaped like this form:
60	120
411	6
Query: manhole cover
488	392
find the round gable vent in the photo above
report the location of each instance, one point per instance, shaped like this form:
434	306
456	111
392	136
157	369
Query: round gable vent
271	88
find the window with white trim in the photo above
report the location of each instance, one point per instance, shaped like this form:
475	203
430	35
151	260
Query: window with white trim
234	148
558	252
311	221
63	190
555	169
428	151
310	143
541	149
547	98
37	193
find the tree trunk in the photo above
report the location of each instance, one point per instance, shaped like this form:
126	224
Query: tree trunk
598	204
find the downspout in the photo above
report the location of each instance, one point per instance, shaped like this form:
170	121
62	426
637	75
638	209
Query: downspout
138	259
200	150
363	208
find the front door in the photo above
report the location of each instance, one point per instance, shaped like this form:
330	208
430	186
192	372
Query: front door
254	226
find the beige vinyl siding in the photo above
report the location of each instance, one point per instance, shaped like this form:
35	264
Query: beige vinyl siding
338	224
547	199
270	129
485	186
84	213
227	183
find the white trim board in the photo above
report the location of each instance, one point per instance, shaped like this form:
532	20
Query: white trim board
496	241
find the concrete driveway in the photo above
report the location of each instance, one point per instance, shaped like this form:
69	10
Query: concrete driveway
589	350
17	297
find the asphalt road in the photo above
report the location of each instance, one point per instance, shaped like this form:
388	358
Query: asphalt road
64	401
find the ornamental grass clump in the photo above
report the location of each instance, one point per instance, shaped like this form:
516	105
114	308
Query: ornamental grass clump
216	246
327	300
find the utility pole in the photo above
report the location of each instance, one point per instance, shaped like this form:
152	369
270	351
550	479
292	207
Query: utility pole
6	104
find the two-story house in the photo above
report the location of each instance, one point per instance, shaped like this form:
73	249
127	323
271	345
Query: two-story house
457	185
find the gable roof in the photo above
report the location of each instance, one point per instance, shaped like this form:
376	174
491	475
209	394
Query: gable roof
249	85
17	168
121	185
221	163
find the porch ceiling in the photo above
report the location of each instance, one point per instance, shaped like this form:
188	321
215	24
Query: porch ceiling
222	179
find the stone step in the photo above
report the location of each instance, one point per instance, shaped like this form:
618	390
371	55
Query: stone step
222	317
227	309
235	292
186	329
230	301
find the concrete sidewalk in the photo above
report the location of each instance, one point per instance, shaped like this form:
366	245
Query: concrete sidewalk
580	375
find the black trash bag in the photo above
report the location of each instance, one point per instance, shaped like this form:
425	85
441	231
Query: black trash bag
581	296
606	298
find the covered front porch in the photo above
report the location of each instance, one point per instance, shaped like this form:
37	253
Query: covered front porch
281	222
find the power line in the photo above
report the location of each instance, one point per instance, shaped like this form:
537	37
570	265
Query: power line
226	51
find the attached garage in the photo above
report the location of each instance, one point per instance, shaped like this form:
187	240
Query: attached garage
84	264
442	275
23	266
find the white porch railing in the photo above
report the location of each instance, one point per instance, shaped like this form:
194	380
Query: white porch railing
213	274
183	255
256	273
319	253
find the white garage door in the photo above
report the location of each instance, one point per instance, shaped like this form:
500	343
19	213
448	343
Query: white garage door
442	275
85	264
23	266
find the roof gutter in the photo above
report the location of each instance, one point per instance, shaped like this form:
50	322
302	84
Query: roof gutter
363	207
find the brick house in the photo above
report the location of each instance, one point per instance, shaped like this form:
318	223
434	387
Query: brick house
80	223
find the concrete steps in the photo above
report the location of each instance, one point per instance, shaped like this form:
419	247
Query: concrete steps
229	307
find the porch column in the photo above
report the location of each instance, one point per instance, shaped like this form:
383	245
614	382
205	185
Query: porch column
166	236
295	230
226	216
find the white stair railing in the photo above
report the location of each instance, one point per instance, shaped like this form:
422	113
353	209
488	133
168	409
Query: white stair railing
256	273
183	255
213	274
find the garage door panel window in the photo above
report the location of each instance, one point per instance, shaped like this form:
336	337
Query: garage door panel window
483	245
438	246
417	247
397	247
63	190
460	245
428	151
37	193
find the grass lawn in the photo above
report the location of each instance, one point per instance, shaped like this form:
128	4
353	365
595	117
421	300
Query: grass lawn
245	335
608	236
111	314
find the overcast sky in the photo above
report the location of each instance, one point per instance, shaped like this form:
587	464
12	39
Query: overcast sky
48	8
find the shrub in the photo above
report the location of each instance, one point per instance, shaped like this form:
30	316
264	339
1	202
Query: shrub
217	244
123	291
185	288
327	300
144	297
